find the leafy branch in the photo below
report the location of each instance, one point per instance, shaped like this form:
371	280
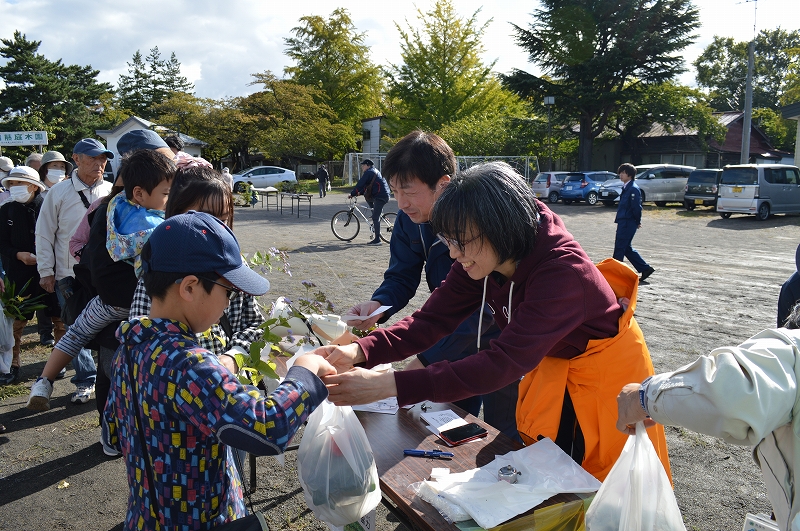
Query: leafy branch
17	306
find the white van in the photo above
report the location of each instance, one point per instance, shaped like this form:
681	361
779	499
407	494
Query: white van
759	189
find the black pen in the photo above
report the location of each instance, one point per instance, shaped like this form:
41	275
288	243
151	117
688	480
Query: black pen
428	453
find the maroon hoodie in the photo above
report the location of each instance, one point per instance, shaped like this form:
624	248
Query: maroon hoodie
559	301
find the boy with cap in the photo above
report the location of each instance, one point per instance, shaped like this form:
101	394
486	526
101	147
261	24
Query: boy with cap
188	406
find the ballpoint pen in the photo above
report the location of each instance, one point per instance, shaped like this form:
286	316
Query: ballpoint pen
428	453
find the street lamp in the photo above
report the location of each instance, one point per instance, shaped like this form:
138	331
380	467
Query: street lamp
549	101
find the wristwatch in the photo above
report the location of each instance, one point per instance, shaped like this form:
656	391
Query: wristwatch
643	395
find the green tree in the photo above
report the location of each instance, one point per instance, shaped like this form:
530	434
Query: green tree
64	100
330	55
791	93
293	125
442	78
672	106
595	55
781	132
722	69
150	81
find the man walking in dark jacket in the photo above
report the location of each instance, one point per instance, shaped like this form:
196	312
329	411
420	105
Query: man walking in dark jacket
629	218
373	187
322	180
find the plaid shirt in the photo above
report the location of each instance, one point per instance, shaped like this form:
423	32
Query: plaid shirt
243	314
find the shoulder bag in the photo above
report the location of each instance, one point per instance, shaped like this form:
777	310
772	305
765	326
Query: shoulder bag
254	522
368	194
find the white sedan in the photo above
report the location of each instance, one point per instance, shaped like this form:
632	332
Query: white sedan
263	176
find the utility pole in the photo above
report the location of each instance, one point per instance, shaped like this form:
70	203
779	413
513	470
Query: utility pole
748	106
549	101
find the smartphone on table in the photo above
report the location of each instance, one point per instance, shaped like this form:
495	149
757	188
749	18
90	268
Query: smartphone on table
462	434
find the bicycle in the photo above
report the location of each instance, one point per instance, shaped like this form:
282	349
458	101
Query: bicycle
346	225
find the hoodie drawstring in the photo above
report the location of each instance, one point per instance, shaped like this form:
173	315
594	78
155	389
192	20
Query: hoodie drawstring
483	305
480	313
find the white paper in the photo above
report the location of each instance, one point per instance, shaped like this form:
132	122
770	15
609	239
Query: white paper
354	317
387	405
437	419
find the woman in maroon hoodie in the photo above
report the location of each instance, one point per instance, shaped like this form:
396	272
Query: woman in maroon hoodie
563	327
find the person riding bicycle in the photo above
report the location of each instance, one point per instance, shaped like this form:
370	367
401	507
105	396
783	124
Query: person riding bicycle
375	190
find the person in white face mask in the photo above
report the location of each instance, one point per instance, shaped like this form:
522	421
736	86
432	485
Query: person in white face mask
54	169
18	250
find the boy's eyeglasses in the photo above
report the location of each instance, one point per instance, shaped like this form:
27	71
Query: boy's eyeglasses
452	242
233	291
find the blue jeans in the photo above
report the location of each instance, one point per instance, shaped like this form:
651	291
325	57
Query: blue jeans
83	363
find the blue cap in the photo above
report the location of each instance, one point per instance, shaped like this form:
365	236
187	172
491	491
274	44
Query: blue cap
139	139
198	242
92	147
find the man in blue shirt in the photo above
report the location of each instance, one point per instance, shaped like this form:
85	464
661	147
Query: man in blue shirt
375	190
629	218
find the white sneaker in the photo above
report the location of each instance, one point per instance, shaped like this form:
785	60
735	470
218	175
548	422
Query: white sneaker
40	395
82	394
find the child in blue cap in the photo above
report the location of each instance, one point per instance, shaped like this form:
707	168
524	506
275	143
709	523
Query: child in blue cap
190	408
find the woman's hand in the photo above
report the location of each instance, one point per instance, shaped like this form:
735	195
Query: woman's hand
364	308
360	386
26	258
342	357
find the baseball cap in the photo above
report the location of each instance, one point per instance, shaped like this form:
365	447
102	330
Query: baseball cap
139	139
91	147
6	164
368	162
200	238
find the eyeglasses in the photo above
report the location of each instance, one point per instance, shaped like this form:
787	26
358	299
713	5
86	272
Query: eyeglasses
452	242
233	291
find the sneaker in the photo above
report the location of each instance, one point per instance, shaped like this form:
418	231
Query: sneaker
47	339
375	242
82	394
39	400
10	377
646	273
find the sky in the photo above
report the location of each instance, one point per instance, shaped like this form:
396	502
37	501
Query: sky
220	44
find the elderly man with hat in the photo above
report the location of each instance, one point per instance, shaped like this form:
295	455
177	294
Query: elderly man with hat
18	251
62	210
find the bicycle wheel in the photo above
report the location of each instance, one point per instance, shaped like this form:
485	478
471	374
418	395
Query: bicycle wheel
387	225
345	225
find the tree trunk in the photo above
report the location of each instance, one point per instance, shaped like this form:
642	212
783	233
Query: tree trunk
585	142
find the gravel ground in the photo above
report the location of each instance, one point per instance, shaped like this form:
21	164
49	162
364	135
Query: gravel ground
716	283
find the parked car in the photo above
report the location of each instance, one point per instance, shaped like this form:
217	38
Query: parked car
759	189
702	188
548	184
263	176
583	186
659	183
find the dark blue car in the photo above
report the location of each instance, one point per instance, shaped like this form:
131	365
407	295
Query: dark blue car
583	185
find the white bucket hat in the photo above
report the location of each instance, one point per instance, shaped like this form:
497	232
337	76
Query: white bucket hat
23	173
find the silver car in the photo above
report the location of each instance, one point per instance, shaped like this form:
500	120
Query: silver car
660	183
263	176
548	184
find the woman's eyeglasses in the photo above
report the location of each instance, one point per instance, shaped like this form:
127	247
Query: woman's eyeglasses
452	242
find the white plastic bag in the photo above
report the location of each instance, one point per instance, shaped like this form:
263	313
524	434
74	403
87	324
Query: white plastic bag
636	495
6	341
336	467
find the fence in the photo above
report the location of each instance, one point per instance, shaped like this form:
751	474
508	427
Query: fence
527	166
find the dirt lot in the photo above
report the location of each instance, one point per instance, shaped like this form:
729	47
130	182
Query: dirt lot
716	283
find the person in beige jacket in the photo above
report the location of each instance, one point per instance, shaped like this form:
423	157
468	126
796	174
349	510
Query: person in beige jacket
746	395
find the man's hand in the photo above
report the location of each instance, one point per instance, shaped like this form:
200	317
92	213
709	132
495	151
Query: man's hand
341	357
364	308
316	364
360	386
48	283
229	362
630	410
26	258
